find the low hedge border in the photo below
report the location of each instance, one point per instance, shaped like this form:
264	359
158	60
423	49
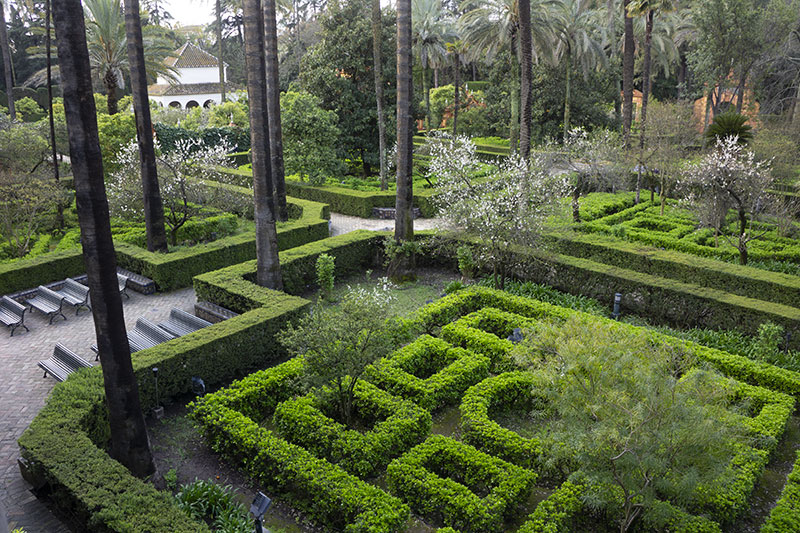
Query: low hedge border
736	279
449	308
170	271
396	424
479	430
416	478
340	199
785	516
446	372
233	287
64	447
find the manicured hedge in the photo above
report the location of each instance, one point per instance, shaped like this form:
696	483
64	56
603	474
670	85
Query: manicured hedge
341	199
234	288
785	516
170	271
437	479
736	279
509	390
429	371
396	425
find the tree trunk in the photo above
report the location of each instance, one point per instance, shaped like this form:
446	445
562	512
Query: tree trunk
404	224
627	75
682	70
740	92
474	71
436	77
526	77
129	442
742	237
220	62
567	88
268	269
663	193
426	91
514	134
377	70
274	110
576	205
648	38
153	207
110	83
457	95
49	66
6	51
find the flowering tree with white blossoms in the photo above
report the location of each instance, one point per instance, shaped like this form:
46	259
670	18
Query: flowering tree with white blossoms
505	210
730	178
180	175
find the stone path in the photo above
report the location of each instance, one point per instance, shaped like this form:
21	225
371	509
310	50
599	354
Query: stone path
23	391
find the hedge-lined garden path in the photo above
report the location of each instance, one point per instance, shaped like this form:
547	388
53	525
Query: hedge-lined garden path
345	224
23	391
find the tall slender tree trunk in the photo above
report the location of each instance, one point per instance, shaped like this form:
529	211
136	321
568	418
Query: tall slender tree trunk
436	77
627	75
129	442
268	269
5	48
426	91
50	118
153	207
377	70
404	223
514	133
648	39
220	62
567	91
110	83
457	95
526	77
682	71
740	92
274	110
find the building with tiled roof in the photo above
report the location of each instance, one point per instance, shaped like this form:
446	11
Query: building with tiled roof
196	79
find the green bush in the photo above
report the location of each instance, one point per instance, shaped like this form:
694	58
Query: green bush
205	500
441	475
785	516
395	425
429	371
325	278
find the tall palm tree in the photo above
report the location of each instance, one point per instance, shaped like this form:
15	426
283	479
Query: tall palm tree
51	120
459	50
5	48
628	58
153	208
526	78
105	34
129	442
274	110
268	268
430	36
377	70
577	41
403	223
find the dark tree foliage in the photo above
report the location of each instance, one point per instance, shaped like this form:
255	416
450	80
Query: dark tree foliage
338	70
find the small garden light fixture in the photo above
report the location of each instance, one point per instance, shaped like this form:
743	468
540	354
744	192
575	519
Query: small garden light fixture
617	299
259	506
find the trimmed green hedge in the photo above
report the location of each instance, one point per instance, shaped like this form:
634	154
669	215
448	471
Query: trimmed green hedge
169	271
234	288
429	371
440	476
736	279
396	425
785	516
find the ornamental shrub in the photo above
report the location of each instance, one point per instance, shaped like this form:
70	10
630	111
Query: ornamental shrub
325	268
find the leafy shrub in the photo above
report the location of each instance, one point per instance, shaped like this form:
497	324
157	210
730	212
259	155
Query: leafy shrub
29	110
205	500
325	268
729	124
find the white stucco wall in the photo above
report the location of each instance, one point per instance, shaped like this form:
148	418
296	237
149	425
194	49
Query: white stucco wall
183	100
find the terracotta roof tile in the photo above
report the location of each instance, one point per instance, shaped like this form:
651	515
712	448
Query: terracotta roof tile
191	56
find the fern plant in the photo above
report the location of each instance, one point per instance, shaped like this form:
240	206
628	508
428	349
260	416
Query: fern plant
728	125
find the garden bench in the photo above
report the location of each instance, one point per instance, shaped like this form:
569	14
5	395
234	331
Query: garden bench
63	363
75	294
212	312
12	314
123	285
48	302
182	323
145	335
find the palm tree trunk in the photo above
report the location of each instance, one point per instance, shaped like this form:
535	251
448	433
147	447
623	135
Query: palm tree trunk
49	66
426	91
436	78
220	62
153	208
526	77
110	83
514	133
404	224
377	69
268	269
567	90
457	95
129	442
6	51
648	39
274	110
627	75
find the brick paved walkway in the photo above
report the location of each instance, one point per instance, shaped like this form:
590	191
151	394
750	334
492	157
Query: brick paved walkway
23	391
